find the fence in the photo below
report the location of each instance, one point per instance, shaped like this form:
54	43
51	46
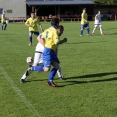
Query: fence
64	18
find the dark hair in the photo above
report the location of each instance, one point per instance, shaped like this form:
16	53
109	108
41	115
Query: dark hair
55	21
61	27
31	12
84	9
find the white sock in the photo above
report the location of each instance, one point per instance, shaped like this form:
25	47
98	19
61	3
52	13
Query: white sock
93	30
101	31
59	72
24	76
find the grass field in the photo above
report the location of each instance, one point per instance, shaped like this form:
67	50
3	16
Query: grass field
89	64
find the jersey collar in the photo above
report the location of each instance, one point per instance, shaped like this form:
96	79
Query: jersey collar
53	26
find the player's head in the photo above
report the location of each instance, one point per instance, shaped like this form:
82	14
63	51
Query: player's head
99	12
32	14
60	30
55	22
84	10
4	12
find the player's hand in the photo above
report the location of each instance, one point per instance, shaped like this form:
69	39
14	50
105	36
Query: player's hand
65	39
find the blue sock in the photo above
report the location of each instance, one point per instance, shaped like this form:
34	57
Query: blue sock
37	68
88	30
81	32
30	39
52	74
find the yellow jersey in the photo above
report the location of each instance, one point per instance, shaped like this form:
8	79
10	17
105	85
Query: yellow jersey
3	18
50	36
33	22
83	16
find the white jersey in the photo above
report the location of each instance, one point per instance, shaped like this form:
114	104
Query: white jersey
38	53
97	19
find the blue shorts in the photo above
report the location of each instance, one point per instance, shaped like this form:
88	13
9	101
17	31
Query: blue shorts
49	56
33	32
84	25
3	22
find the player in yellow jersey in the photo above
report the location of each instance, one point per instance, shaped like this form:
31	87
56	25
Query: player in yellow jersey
49	41
84	22
3	21
32	23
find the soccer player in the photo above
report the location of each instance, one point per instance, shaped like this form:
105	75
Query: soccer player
32	23
38	60
98	23
49	55
84	22
3	21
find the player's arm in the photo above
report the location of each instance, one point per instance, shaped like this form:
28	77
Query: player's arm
96	18
27	23
41	28
83	17
40	25
63	41
42	38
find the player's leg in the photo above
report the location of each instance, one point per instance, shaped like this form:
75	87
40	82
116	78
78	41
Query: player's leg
88	29
26	74
101	30
81	30
95	26
59	72
2	25
53	73
5	25
36	33
30	37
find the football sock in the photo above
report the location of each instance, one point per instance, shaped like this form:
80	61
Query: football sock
88	31
59	72
5	26
37	68
93	30
30	39
81	32
2	27
52	74
101	30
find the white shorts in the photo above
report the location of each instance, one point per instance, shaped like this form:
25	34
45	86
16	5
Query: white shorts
97	25
38	53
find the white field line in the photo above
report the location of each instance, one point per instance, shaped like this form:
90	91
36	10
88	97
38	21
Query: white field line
19	92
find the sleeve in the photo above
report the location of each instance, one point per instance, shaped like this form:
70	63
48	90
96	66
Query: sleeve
56	39
82	15
27	21
38	21
96	17
43	35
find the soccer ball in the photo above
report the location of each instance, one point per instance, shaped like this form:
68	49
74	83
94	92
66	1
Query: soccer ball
29	60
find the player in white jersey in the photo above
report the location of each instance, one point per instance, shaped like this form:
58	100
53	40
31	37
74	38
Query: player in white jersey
38	60
98	23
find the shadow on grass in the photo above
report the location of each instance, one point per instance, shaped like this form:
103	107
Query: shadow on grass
73	82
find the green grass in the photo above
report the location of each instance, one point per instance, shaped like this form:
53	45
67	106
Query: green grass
89	64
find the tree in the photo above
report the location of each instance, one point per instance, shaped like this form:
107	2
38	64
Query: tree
106	2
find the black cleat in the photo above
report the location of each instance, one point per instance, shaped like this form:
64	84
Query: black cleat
51	83
62	78
22	81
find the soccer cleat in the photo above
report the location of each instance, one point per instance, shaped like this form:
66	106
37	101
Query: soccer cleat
26	74
62	78
22	80
81	35
102	34
93	34
51	83
88	34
